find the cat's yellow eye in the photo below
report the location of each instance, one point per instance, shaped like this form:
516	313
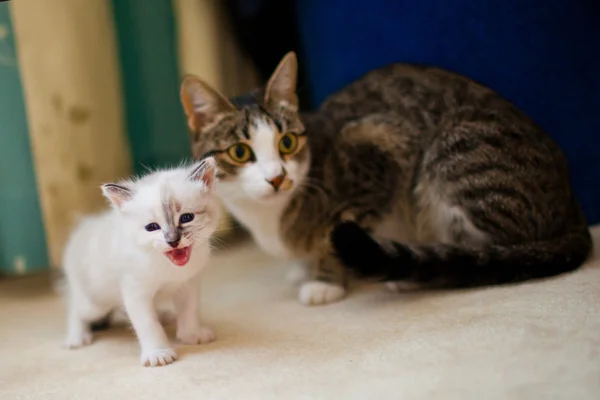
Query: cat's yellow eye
240	153
288	143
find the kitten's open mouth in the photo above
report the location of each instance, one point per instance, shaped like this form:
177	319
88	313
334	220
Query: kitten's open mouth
179	257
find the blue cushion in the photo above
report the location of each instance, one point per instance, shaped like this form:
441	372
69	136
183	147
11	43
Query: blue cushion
544	56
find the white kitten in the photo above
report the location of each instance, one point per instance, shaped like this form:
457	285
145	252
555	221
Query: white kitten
148	249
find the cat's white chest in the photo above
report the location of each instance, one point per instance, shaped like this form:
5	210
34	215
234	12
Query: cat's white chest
263	222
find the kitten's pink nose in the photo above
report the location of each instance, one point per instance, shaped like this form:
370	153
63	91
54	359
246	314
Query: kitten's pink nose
174	243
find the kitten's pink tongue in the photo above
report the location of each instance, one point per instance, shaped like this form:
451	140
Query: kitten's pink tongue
180	257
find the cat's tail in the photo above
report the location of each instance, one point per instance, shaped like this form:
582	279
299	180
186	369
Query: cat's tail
454	266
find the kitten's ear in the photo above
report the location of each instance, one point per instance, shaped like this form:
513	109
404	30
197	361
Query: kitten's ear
117	194
205	171
201	103
281	88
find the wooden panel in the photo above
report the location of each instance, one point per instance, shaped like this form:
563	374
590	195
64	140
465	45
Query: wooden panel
207	47
68	61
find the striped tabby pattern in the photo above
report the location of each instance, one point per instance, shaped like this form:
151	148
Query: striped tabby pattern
411	173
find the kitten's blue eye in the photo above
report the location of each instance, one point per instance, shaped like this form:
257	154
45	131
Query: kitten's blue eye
152	226
185	218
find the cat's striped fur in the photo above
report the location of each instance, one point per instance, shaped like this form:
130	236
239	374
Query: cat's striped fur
443	180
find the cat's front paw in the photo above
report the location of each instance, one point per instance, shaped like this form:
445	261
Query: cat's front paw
196	336
79	339
314	293
158	357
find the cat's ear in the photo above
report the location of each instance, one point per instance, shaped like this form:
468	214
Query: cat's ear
281	88
202	104
117	194
206	171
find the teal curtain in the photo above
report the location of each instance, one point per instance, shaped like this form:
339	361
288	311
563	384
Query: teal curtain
147	50
22	238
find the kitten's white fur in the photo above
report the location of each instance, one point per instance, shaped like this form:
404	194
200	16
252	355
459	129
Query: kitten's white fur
112	261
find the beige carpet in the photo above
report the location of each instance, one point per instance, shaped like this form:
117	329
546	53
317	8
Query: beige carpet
531	341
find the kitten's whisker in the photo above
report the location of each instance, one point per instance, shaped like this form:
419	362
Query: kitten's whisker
219	241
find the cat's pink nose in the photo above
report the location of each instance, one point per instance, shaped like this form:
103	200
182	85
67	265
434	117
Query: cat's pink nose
277	181
174	243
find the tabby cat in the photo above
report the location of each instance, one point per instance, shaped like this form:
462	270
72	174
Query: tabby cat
411	174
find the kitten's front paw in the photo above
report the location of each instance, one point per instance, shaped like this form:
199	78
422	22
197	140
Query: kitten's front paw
316	293
197	336
80	339
158	357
